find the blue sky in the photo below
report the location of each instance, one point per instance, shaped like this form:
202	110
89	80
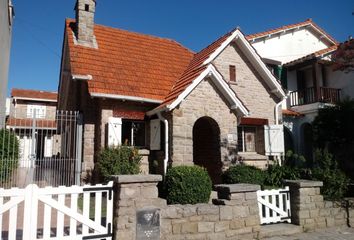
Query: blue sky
39	24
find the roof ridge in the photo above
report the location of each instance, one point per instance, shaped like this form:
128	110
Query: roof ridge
138	34
33	90
308	21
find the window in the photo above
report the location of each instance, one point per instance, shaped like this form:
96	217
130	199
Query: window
37	111
246	139
87	7
133	133
232	70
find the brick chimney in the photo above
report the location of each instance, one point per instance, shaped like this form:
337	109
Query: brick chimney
85	12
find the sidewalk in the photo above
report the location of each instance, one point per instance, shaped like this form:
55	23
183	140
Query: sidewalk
323	234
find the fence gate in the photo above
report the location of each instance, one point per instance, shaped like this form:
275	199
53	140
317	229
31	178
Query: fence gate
41	148
274	205
76	212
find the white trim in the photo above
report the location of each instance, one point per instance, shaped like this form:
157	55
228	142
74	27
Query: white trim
280	92
222	47
123	97
211	72
34	99
81	77
283	31
237	35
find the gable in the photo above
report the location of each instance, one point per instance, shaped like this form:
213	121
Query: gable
249	86
290	42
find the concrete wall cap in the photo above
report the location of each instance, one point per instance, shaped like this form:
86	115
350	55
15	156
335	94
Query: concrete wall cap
303	183
239	187
137	178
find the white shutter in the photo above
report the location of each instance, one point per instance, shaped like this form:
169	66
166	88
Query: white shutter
274	139
114	131
155	134
48	146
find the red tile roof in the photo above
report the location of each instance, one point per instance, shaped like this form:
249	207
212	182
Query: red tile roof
194	69
291	113
28	123
290	26
128	63
37	94
316	54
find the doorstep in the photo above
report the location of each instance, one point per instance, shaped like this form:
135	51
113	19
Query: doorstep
279	229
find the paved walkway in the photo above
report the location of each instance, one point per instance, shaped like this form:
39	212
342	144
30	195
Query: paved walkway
325	234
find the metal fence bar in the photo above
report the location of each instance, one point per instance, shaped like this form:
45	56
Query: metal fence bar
42	151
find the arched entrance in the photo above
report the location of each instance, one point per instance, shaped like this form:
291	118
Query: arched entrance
206	147
308	143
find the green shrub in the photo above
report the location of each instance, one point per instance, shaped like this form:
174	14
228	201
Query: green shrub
335	182
9	154
119	160
276	174
244	174
187	185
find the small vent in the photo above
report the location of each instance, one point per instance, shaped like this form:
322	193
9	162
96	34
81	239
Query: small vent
232	69
87	7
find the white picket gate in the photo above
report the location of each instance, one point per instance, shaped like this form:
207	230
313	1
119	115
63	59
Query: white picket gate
274	205
76	212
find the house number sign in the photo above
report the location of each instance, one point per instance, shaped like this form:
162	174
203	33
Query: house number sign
148	224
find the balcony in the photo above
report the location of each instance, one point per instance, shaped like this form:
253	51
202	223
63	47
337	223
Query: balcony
309	95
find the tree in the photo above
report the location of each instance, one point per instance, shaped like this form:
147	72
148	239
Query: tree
333	129
344	56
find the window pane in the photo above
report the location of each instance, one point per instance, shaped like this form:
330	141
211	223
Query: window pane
139	134
126	132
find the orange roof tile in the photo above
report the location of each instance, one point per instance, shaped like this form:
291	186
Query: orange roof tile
290	26
28	123
291	113
316	54
194	69
38	94
127	63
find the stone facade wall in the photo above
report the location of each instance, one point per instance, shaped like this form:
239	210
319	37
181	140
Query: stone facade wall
309	210
249	86
234	215
204	101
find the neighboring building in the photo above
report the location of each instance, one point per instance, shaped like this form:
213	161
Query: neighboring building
210	108
32	117
6	17
300	56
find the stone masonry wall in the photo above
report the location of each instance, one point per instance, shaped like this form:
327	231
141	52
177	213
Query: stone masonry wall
249	86
205	100
234	214
309	210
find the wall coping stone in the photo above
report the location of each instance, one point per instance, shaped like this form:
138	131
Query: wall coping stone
301	183
139	178
237	188
144	152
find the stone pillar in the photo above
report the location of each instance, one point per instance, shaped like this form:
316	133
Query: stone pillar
134	195
144	164
306	203
88	151
239	203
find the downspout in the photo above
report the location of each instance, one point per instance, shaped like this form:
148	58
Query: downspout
276	109
165	161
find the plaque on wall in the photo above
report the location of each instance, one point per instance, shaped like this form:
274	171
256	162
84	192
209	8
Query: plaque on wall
148	224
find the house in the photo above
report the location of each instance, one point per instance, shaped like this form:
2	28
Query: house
300	55
6	17
211	108
32	116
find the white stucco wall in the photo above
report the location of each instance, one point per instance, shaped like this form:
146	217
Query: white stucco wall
285	47
342	80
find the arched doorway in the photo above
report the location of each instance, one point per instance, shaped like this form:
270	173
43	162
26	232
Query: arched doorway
307	143
206	147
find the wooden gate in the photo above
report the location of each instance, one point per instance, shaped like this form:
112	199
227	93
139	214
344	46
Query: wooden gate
76	212
274	205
